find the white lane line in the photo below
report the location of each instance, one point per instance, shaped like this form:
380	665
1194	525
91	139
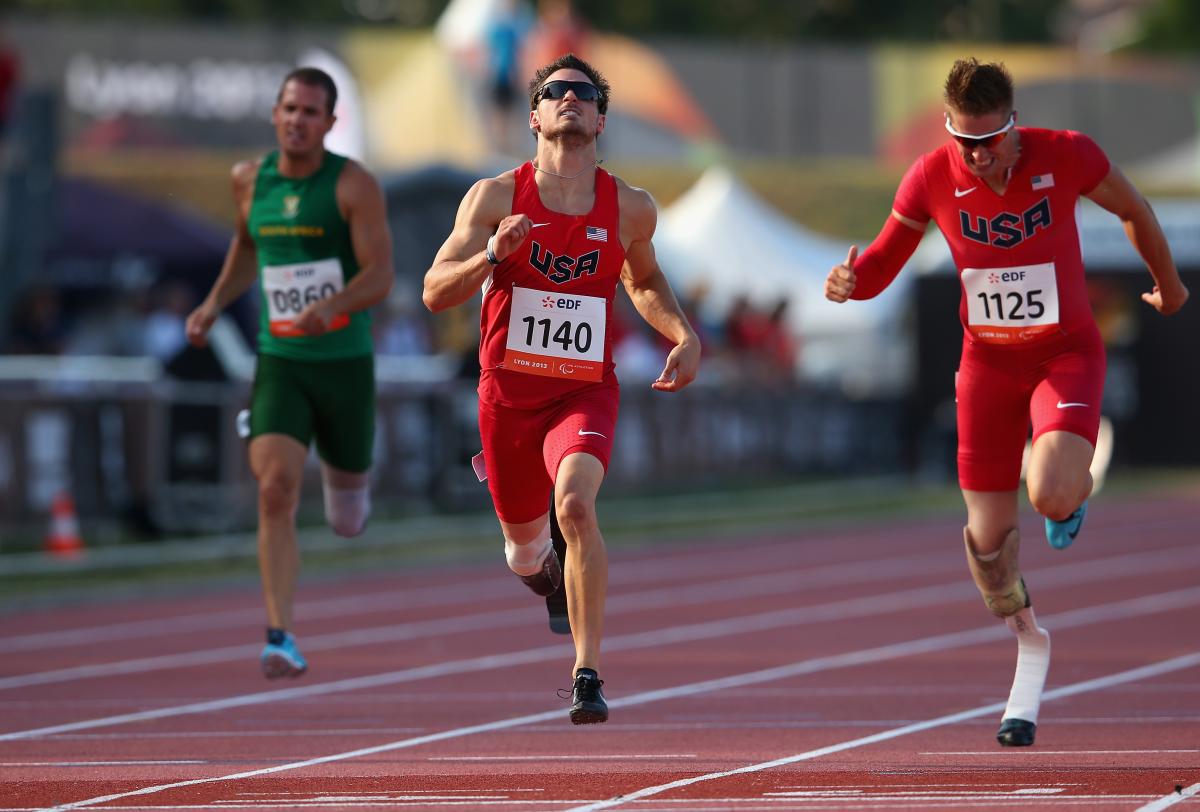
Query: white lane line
1040	752
132	762
1170	800
924	645
1087	686
573	757
726	588
656	570
767	621
679	564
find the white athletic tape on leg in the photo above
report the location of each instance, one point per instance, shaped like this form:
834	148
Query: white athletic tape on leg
346	511
526	559
1033	661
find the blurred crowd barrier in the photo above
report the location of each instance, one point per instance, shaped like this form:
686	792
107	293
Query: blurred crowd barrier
165	458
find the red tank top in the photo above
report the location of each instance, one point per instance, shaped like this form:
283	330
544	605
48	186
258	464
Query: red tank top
547	319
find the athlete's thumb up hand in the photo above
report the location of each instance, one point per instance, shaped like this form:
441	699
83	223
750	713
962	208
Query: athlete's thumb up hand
841	280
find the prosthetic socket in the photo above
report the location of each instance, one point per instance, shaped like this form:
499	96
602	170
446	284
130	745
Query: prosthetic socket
998	577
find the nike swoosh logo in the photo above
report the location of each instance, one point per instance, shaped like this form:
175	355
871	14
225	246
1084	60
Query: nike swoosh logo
964	192
583	433
539	225
1062	405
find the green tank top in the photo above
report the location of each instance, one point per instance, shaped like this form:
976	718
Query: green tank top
304	254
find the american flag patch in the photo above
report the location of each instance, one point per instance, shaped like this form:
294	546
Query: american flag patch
1043	181
597	234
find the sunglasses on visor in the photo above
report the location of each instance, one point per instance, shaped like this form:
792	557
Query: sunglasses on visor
987	140
584	91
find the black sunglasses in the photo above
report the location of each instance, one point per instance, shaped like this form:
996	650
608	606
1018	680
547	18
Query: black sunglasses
584	91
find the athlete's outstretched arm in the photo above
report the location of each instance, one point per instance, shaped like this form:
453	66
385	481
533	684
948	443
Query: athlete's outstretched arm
361	203
866	276
1116	194
651	293
240	268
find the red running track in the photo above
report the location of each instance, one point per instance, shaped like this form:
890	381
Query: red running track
831	669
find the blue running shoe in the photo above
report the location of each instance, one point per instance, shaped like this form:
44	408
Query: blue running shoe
282	659
1062	534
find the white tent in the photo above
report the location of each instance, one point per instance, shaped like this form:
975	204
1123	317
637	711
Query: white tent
720	234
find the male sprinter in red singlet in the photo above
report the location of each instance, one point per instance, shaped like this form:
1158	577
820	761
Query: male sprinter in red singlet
548	243
1005	198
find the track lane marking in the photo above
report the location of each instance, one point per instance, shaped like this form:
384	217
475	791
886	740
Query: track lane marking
1168	801
702	593
1133	675
1074	618
839	610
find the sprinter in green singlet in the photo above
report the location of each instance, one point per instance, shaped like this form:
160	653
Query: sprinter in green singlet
312	229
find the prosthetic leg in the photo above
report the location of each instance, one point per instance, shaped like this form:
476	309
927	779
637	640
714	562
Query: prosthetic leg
999	581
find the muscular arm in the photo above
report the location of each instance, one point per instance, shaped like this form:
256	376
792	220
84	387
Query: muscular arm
240	268
650	292
1116	194
460	266
362	204
360	201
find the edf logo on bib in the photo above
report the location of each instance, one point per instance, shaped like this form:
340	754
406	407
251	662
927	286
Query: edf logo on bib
562	268
1006	229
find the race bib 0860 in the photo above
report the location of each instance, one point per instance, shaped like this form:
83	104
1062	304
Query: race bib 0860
556	335
291	288
1011	305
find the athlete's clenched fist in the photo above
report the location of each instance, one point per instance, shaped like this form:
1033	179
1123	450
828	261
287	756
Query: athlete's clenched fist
511	233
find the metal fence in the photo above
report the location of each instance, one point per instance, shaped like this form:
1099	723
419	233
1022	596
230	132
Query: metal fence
164	457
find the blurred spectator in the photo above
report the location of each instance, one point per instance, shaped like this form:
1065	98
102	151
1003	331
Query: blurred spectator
637	352
779	344
761	346
559	31
745	327
505	37
400	328
163	330
39	327
9	74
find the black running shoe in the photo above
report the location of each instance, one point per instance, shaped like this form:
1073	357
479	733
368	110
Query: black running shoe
556	602
1016	733
587	699
548	578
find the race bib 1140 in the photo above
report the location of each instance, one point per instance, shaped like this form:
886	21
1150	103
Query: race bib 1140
1011	305
556	335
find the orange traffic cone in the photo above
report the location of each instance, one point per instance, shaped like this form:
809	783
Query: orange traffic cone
63	540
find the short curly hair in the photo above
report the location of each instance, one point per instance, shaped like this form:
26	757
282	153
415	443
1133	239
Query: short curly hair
571	62
978	88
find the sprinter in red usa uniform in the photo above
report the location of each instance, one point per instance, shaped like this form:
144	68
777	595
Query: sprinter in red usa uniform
548	242
1006	200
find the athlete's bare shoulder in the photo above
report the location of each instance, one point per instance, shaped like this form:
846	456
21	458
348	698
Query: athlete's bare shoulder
639	214
356	186
489	200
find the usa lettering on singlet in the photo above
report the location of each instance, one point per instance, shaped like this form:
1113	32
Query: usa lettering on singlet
1018	254
547	307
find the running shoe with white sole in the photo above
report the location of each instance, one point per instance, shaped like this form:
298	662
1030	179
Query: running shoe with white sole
281	658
